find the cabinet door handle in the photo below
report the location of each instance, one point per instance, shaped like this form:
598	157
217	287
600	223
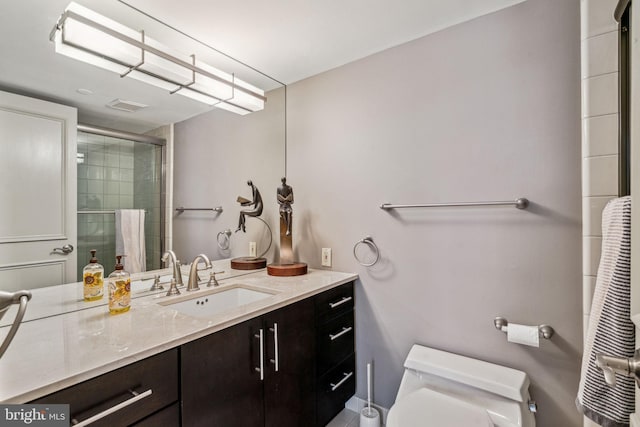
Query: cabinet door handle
347	375
261	368
341	333
136	397
342	301
275	345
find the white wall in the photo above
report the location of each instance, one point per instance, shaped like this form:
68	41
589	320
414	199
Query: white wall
486	110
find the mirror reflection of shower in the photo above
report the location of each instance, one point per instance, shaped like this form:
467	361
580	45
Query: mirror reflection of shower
118	170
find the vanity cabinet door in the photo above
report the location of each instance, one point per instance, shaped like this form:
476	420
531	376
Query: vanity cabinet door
219	381
289	385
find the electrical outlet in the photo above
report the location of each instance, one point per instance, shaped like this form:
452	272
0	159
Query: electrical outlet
326	257
253	251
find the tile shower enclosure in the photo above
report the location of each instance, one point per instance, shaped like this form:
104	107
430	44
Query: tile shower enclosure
114	174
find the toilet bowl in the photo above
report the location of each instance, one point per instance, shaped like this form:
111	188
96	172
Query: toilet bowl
448	390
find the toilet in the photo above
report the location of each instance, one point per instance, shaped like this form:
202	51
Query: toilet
448	390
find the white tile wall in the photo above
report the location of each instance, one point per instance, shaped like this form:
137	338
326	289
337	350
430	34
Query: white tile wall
592	214
600	95
598	57
599	133
597	17
589	284
590	255
600	176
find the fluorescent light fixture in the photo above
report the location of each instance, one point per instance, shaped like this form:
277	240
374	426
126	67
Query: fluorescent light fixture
87	36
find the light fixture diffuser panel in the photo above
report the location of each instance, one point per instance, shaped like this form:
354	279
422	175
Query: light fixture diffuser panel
101	44
90	37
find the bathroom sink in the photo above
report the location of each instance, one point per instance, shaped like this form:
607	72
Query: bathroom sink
218	300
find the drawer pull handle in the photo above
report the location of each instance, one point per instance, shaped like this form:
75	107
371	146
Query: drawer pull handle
342	301
261	368
341	333
136	397
275	361
347	375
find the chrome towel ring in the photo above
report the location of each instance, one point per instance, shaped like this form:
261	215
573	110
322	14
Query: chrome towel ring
368	240
226	239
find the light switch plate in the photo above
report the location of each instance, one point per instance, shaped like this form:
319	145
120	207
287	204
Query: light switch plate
253	249
326	257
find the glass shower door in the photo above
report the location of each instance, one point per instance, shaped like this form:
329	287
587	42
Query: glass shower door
117	173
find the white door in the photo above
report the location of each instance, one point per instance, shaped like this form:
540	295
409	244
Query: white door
37	193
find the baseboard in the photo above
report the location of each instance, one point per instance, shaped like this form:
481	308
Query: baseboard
356	404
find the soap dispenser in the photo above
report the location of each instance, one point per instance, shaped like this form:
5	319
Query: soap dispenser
119	289
93	279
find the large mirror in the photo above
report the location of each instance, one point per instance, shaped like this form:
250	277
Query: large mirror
207	156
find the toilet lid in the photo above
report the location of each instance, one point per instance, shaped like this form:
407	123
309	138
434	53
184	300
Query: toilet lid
425	407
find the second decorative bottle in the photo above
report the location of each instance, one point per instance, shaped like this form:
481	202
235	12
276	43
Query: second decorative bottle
119	289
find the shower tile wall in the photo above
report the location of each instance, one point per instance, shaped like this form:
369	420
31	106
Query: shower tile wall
599	134
599	131
115	174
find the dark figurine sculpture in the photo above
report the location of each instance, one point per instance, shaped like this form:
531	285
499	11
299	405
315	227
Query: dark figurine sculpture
255	211
285	199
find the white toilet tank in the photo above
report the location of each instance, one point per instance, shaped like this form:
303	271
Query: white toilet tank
446	389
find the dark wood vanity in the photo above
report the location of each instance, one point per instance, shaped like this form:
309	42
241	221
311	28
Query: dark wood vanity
294	366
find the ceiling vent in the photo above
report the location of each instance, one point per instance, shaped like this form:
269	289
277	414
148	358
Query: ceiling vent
128	106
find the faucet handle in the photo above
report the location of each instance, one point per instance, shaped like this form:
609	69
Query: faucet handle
179	272
212	278
173	289
157	286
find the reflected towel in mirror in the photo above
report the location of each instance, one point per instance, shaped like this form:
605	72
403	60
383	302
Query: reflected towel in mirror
130	239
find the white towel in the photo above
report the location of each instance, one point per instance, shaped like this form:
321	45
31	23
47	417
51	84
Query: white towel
130	239
610	330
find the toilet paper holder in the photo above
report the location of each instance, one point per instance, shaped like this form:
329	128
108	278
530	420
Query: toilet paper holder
545	331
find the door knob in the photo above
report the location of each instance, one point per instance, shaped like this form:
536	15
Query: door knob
610	366
66	249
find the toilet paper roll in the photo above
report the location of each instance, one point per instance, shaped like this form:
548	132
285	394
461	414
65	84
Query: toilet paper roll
523	334
369	417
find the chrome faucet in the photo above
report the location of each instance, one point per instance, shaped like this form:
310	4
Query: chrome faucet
193	272
177	275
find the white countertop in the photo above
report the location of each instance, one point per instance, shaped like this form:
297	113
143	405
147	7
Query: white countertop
54	300
54	352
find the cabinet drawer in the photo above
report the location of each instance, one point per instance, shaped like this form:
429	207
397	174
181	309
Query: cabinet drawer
335	341
334	302
334	389
158	373
169	416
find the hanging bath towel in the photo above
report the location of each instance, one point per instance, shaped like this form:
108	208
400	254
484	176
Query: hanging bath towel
610	329
130	239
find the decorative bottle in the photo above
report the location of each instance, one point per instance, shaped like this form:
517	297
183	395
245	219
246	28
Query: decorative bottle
93	279
119	289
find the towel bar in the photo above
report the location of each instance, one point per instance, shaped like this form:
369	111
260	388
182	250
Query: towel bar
181	209
520	203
